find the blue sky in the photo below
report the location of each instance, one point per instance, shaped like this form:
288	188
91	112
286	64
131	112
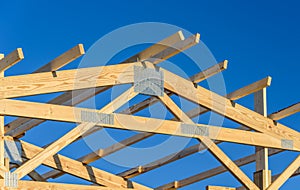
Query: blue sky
259	38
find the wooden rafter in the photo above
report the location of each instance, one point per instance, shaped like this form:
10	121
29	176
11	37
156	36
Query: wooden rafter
254	87
219	188
154	50
47	82
2	132
63	59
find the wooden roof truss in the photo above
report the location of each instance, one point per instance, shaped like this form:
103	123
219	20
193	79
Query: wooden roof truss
257	129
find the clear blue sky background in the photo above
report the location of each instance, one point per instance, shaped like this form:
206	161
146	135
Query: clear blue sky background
259	38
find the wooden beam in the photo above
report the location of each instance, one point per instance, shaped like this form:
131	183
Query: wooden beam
35	176
217	170
63	59
172	107
209	72
285	175
78	169
229	164
46	82
262	176
95	155
52	149
157	48
2	131
72	135
160	162
176	48
30	185
254	87
296	173
210	145
11	59
295	108
136	123
219	188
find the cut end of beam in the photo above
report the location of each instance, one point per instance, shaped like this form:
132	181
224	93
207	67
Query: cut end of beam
269	80
20	53
176	184
197	38
180	34
81	49
224	64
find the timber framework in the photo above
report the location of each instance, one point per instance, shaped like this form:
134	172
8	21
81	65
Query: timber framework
19	158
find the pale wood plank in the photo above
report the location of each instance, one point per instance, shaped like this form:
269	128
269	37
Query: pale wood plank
209	72
63	59
296	173
11	59
262	176
176	48
285	175
41	83
254	87
295	108
219	188
157	48
2	131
